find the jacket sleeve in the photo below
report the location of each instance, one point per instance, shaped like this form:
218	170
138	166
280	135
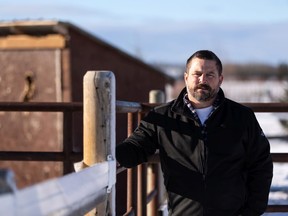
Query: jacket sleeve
259	167
139	145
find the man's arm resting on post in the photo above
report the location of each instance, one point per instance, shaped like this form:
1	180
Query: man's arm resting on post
137	147
128	155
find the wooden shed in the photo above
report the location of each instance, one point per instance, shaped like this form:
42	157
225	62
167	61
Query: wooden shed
44	61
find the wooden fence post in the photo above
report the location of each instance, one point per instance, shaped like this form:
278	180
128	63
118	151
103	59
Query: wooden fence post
99	128
154	170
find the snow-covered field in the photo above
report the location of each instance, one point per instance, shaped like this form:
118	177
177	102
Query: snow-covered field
279	189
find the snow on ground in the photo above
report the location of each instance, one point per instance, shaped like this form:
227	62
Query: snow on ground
272	128
271	125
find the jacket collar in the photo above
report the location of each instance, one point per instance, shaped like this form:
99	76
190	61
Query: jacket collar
180	106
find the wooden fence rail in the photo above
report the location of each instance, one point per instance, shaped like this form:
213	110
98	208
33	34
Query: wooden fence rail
72	194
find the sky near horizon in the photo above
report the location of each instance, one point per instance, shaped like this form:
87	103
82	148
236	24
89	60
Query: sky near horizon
169	31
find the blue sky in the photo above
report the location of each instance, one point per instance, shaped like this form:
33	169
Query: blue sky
169	31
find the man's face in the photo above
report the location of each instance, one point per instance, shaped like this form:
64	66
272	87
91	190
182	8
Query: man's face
202	80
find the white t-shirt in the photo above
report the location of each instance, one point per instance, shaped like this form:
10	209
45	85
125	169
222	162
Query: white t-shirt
203	113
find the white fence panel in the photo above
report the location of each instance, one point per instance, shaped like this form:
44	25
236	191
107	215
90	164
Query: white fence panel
73	194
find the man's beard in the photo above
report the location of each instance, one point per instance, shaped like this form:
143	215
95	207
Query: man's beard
206	94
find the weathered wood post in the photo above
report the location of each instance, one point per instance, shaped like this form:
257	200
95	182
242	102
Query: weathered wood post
154	170
99	129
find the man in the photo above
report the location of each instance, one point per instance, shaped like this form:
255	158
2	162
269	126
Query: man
214	156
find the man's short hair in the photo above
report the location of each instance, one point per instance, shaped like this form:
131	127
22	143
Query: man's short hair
207	55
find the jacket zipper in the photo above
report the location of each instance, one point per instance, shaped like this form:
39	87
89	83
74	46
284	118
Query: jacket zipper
204	175
205	161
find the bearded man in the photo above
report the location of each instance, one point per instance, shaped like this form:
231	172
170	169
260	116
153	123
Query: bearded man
214	155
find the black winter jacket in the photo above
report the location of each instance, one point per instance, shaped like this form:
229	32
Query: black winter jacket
220	168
